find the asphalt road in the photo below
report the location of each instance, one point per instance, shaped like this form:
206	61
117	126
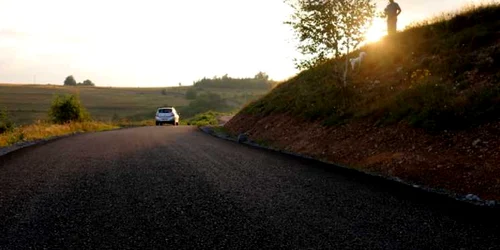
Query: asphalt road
178	188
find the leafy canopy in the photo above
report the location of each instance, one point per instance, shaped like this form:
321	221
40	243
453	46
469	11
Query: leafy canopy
70	81
329	28
87	83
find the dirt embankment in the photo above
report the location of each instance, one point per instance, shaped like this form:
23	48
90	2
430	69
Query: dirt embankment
223	119
461	161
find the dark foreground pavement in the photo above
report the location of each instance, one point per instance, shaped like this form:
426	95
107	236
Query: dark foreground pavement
177	188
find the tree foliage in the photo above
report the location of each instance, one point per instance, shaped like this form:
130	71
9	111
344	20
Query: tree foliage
260	81
66	108
70	81
261	76
329	28
88	83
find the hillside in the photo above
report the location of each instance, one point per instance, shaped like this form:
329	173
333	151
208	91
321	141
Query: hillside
423	107
29	103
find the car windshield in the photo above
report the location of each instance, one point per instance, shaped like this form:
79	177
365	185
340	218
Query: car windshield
165	111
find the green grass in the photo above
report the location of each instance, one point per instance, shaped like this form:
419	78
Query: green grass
29	103
204	119
441	74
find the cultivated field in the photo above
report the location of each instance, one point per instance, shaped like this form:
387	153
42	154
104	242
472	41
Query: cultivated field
28	103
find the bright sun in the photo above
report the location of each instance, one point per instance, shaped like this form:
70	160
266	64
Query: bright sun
376	31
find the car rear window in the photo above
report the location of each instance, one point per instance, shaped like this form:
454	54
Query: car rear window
165	111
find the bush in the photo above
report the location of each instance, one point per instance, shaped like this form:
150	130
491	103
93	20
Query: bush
5	123
204	119
66	108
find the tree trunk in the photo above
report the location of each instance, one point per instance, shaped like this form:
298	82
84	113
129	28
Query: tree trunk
346	65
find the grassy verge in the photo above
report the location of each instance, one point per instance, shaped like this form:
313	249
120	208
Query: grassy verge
43	130
204	119
436	75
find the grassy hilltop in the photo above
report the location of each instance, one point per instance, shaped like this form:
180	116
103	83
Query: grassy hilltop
423	107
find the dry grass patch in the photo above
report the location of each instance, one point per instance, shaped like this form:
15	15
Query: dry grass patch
43	130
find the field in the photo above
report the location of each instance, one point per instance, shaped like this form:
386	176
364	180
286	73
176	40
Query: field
29	103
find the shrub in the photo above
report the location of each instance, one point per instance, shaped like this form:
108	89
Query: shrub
204	119
66	108
5	123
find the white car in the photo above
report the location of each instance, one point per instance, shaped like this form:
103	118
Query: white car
167	115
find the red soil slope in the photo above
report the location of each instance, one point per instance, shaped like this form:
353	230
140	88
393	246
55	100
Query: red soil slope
461	161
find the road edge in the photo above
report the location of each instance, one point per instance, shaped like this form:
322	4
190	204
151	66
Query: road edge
470	199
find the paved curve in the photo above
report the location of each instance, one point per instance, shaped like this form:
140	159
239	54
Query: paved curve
177	188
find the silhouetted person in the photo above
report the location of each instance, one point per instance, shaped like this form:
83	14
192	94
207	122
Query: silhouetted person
392	12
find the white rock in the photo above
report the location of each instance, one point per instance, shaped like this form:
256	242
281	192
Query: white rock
472	197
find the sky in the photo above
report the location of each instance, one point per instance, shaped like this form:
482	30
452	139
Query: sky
157	43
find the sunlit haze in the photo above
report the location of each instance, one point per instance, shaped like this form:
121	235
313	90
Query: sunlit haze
158	43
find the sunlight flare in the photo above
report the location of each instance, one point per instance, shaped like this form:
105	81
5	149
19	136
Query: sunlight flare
376	31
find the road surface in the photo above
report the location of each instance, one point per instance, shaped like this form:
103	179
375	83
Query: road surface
178	188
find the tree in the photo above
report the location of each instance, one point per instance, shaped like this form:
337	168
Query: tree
88	83
70	81
329	28
261	76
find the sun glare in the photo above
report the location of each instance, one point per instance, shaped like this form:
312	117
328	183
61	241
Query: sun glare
376	31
